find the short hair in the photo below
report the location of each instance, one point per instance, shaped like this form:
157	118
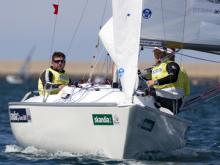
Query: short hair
58	54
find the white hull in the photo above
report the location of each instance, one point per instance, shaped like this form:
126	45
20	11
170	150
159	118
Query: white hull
106	129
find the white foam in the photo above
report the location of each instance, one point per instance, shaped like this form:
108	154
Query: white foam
40	152
12	148
27	150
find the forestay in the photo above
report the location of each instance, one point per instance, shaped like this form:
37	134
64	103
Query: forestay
190	24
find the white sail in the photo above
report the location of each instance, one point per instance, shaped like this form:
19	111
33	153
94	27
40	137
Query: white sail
126	39
106	36
23	72
190	24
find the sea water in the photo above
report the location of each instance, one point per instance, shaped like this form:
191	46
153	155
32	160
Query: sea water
202	147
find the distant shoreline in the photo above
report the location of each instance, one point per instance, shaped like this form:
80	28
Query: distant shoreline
79	68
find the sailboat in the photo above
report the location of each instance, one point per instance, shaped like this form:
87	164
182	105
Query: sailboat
23	72
113	121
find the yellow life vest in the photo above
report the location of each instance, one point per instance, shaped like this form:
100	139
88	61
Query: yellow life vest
58	78
182	82
186	81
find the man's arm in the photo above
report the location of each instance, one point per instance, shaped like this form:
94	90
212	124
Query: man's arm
173	71
47	78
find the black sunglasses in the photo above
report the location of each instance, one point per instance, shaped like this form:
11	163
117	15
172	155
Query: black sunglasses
59	61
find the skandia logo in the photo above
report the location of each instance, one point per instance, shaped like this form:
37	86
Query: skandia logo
102	119
146	13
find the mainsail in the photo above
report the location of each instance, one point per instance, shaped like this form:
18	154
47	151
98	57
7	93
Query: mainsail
187	24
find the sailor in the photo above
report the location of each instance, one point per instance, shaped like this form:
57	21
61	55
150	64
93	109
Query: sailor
170	82
53	79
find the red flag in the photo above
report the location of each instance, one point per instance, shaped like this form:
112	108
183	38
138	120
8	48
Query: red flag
56	6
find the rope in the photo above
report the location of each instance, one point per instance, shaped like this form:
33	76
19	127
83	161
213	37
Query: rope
213	91
106	65
97	45
94	66
102	20
164	31
198	58
103	13
77	27
183	32
184	22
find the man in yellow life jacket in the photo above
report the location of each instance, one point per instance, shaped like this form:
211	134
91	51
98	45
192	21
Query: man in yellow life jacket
169	81
53	79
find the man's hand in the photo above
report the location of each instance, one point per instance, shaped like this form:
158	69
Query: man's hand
150	83
61	86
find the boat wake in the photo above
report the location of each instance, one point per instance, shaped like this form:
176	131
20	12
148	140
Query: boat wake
30	150
38	155
186	155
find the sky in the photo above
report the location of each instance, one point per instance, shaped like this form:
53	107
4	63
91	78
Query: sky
28	23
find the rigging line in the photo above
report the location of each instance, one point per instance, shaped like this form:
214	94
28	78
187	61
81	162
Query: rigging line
105	63
183	31
93	63
198	58
164	31
54	31
109	64
212	98
202	97
104	11
77	27
96	63
184	23
98	40
212	91
102	20
209	89
106	66
92	66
